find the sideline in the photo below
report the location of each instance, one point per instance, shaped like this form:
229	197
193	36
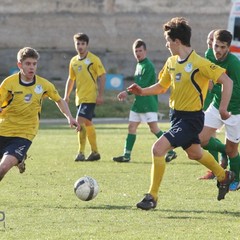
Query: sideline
95	120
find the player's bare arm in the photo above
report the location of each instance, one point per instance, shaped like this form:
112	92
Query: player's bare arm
152	90
63	107
68	89
102	80
227	86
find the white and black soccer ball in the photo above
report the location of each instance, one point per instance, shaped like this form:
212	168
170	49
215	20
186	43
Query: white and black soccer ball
86	188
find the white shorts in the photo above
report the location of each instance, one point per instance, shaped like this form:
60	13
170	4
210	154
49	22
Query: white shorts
143	117
232	124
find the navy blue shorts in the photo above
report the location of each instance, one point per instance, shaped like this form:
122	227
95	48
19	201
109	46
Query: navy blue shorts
86	110
185	127
14	146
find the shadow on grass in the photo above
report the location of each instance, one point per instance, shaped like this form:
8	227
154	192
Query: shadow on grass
117	207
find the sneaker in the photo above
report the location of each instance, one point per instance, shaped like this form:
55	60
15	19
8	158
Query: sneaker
234	186
94	156
224	161
80	157
223	187
170	156
209	175
22	165
121	159
147	203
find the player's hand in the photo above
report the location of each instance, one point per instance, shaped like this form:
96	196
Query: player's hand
99	100
122	96
74	124
224	114
135	89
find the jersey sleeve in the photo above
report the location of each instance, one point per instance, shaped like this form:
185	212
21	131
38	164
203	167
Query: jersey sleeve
211	71
71	73
99	67
164	77
52	92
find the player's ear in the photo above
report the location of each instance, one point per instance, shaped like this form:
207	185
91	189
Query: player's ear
19	64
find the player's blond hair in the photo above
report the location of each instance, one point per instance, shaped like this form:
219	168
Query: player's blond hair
27	52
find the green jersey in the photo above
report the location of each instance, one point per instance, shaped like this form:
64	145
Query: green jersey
145	76
232	65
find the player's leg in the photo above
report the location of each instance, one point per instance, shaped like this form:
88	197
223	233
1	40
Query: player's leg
13	153
82	137
92	138
129	142
233	137
153	126
224	179
159	149
7	162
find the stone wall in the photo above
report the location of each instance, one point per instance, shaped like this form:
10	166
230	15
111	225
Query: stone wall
112	26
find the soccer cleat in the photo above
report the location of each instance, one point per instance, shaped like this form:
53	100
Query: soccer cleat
22	165
209	175
224	161
223	187
147	203
121	159
234	186
94	156
170	156
80	157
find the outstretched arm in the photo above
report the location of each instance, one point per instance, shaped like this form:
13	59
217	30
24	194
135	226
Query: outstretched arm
152	90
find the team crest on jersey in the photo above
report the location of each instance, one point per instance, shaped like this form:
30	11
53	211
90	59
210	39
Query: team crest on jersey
178	77
79	68
188	67
87	61
38	89
28	98
213	66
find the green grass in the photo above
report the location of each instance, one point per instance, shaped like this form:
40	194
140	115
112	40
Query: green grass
41	205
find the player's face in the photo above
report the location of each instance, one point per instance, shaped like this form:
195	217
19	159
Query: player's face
81	48
220	49
140	53
28	68
171	45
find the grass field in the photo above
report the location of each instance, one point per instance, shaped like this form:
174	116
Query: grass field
41	205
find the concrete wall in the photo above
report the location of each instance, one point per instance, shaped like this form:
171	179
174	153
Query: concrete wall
112	26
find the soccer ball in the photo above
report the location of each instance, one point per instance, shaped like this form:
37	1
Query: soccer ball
86	188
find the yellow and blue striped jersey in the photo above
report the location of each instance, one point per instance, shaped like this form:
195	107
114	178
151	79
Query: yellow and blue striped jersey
21	105
86	72
188	80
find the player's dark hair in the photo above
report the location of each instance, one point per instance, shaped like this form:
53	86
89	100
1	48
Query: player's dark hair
223	35
139	43
27	52
81	37
178	28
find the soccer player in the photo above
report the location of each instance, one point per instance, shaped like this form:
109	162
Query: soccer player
213	121
85	69
188	76
212	90
21	97
144	108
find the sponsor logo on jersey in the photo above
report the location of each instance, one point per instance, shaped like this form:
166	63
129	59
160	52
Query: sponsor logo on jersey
28	98
178	77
